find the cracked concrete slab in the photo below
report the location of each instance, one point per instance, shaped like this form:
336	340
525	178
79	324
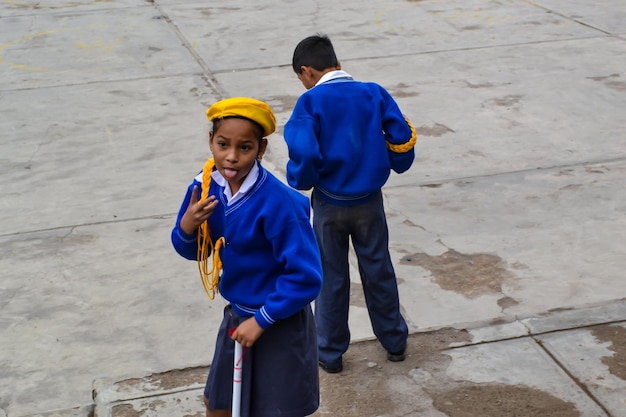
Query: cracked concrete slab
97	148
505	379
508	225
595	356
64	319
589	14
65	47
526	211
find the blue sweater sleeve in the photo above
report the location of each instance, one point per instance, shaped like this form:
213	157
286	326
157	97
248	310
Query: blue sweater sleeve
301	135
397	132
401	162
185	244
301	279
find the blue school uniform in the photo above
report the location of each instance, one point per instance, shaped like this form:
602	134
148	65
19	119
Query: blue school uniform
337	137
343	137
272	271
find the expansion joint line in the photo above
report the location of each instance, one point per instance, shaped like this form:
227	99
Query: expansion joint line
578	382
564	16
208	75
537	340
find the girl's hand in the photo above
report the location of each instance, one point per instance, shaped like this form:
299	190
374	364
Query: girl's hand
197	212
247	332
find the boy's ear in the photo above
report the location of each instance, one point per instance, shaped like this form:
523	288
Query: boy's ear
338	65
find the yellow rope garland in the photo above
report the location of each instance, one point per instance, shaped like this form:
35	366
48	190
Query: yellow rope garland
407	146
210	278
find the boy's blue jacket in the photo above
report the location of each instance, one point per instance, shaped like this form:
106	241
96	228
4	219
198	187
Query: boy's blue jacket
271	261
336	138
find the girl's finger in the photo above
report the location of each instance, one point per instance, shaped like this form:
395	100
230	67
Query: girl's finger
194	195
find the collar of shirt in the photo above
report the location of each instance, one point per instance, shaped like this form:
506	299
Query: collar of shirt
333	75
245	187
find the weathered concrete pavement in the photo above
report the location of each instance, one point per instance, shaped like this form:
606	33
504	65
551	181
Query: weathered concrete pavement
525	368
508	233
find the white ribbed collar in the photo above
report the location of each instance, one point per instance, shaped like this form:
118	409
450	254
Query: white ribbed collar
248	183
333	75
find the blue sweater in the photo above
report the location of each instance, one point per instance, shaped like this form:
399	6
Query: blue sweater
336	138
271	262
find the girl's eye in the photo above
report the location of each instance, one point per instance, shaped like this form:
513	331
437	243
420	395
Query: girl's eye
246	147
221	144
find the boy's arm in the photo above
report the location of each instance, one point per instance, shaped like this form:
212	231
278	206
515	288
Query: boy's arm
399	135
305	159
401	156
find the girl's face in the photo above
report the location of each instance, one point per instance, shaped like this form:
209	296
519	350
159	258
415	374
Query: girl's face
235	148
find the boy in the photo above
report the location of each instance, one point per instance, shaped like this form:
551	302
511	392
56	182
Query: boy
260	228
343	137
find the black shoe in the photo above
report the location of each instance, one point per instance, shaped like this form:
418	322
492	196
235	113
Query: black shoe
334	368
396	356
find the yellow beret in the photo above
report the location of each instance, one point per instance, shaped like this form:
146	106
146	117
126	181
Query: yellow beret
246	107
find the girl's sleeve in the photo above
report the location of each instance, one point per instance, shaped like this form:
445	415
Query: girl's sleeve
185	244
300	282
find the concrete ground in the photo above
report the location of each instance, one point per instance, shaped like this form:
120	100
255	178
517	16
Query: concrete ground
508	233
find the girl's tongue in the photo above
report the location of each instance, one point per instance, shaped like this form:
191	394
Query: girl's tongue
230	173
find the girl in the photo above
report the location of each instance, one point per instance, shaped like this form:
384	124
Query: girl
260	234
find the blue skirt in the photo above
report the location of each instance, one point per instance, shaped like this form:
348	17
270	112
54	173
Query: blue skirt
280	375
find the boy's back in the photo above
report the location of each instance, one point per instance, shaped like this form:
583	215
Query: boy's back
337	138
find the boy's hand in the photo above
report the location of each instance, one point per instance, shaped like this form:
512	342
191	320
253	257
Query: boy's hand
247	332
197	212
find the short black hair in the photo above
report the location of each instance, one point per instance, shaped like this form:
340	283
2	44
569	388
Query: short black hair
258	129
315	51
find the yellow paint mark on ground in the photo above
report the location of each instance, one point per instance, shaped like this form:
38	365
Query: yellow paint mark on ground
23	39
38	4
489	18
380	20
465	17
96	47
475	16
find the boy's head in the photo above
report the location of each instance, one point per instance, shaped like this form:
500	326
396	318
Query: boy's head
313	57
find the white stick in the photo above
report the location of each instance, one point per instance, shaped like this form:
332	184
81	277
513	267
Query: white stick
237	367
